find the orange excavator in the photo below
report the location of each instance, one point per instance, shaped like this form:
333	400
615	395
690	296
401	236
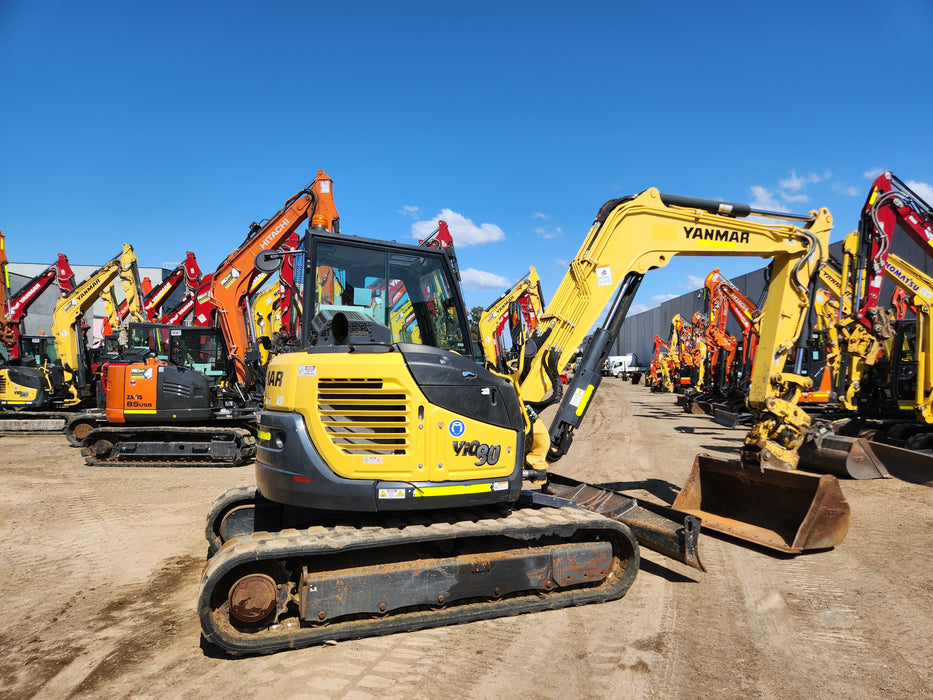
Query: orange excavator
730	359
188	396
654	376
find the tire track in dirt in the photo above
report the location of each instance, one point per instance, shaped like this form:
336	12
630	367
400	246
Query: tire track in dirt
96	639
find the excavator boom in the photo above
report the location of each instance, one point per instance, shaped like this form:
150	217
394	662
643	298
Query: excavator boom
234	279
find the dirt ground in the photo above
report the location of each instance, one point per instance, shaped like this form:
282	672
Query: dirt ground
100	567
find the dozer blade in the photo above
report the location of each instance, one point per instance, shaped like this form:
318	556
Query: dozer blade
848	457
660	529
788	511
724	414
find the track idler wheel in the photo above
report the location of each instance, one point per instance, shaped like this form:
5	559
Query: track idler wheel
101	449
253	598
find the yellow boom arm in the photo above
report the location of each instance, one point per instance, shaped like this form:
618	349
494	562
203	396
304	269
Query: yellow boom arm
634	235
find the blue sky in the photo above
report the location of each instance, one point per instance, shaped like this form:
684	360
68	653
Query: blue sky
173	125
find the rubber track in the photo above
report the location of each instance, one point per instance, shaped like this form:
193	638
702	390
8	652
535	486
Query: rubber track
243	437
36	415
525	524
98	417
230	497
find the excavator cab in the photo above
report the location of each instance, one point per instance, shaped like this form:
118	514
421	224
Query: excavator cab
362	292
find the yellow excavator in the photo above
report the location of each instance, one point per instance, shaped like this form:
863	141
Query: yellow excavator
34	399
887	382
520	307
390	475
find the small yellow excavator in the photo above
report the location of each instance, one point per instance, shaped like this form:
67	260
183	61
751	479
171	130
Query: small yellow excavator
35	399
520	305
390	474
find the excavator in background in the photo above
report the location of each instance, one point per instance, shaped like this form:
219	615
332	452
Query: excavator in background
901	304
187	273
190	398
154	297
721	346
15	311
390	474
273	309
820	357
196	305
734	357
699	353
679	361
669	363
654	376
867	333
40	399
520	307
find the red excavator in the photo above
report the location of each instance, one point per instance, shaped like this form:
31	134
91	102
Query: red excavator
14	307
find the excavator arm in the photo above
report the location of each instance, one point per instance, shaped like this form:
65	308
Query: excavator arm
7	332
234	279
69	311
890	204
20	302
634	235
528	295
187	272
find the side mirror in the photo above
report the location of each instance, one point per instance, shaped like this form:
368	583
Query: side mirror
268	261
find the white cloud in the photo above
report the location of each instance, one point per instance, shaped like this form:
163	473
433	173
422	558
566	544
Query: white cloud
923	189
847	190
795	182
539	215
693	282
659	299
476	280
411	211
763	198
873	173
464	232
638	309
562	263
548	234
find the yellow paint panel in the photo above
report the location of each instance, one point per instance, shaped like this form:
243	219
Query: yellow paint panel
724	245
456	490
665	232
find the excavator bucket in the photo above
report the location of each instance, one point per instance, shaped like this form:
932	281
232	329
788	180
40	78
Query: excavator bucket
848	457
906	464
790	511
729	415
